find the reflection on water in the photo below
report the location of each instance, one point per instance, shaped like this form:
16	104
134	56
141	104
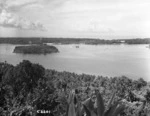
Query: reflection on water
108	60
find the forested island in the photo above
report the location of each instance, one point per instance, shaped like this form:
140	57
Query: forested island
38	40
36	49
28	89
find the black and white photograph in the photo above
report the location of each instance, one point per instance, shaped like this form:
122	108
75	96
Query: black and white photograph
74	57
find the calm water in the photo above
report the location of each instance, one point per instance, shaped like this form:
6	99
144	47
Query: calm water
107	60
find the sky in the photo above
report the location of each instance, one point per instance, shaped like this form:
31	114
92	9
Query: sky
104	19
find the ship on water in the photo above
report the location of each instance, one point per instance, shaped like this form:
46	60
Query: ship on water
148	46
77	46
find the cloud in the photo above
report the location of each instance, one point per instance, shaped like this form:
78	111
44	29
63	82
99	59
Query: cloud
95	26
11	20
2	4
17	7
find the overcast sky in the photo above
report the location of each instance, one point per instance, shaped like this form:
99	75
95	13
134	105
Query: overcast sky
108	19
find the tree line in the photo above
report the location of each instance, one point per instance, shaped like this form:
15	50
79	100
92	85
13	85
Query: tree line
38	40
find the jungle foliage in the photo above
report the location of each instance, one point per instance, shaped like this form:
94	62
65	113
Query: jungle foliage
28	87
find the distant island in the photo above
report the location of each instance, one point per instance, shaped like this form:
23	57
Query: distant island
35	49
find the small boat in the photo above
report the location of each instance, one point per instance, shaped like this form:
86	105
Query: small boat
77	46
148	46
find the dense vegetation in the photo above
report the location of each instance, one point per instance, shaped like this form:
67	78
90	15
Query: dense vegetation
35	49
137	41
27	87
72	41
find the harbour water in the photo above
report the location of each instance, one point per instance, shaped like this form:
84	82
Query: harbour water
132	61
